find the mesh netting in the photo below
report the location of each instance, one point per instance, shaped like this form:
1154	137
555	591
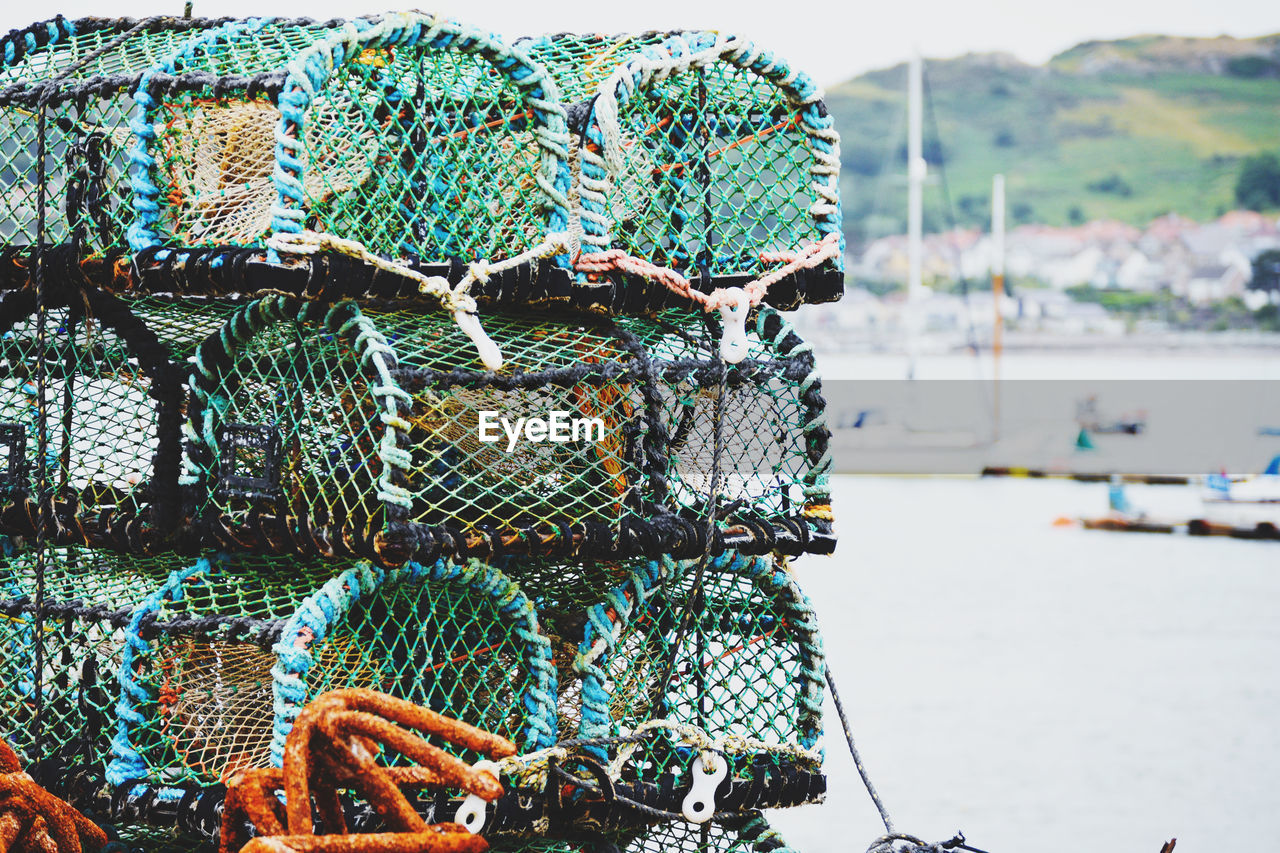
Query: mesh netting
87	139
214	152
587	470
581	62
749	662
285	417
749	834
88	595
105	379
199	704
426	140
456	637
732	155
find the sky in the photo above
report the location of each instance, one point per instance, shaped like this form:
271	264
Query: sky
832	41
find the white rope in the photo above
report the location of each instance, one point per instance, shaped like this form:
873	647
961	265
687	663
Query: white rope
456	299
532	767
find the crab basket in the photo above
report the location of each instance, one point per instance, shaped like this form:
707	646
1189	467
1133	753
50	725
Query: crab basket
106	423
237	646
748	666
712	158
59	714
733	731
291	415
73	80
600	437
421	138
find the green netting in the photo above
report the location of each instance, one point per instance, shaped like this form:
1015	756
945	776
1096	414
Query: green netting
458	477
416	136
581	62
200	700
750	834
86	595
289	415
458	638
283	417
708	168
749	663
87	139
101	408
182	323
214	151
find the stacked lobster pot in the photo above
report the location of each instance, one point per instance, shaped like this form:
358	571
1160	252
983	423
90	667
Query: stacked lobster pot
385	353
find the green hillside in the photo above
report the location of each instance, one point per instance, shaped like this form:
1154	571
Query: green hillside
1129	130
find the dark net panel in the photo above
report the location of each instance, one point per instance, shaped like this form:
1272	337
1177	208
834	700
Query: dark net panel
87	137
771	463
88	596
749	663
566	364
200	694
101	410
283	418
749	833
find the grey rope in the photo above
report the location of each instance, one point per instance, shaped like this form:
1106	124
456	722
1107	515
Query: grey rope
887	843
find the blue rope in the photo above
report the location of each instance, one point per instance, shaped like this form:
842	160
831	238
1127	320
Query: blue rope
324	609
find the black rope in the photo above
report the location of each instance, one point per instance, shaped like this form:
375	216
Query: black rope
887	843
43	492
713	490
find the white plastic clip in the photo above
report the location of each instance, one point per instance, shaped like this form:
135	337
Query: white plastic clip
700	803
733	314
489	352
471	814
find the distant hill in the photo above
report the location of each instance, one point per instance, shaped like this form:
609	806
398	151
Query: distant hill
1127	130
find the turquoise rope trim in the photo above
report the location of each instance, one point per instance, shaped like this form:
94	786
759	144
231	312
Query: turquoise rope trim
343	319
143	232
310	71
56	35
632	598
322	610
605	622
129	765
799	89
817	476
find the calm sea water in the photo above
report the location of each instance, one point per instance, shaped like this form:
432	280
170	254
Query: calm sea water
1045	689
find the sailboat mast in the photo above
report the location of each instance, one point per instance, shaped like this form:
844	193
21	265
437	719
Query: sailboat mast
916	170
997	291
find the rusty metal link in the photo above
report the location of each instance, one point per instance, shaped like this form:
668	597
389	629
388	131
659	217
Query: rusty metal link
34	821
333	747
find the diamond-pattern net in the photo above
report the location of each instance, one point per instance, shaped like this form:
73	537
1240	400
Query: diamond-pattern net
747	665
764	461
723	170
208	709
592	476
87	195
81	652
442	644
427	154
100	418
298	427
